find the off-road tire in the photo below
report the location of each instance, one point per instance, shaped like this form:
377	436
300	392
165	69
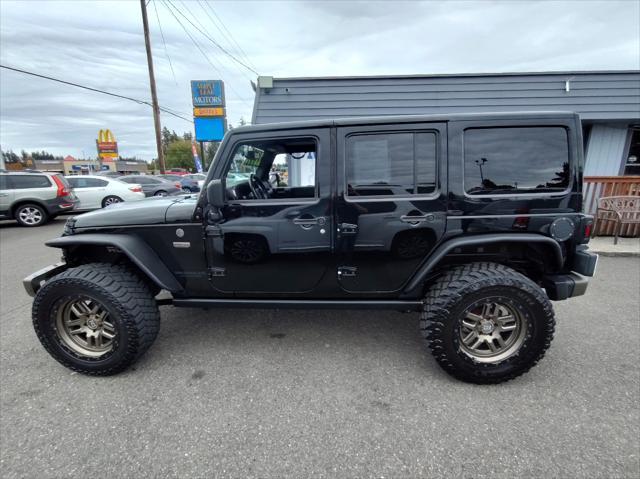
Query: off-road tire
458	288
122	292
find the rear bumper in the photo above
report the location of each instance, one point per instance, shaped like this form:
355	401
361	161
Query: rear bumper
563	286
34	281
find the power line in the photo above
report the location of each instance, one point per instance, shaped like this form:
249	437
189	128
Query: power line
224	50
165	43
206	57
195	18
96	90
230	35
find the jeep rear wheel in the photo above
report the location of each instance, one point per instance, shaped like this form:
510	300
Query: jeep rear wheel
487	323
96	318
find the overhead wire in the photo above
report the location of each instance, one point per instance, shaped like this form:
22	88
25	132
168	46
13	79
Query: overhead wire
195	42
229	35
195	18
224	50
165	43
96	90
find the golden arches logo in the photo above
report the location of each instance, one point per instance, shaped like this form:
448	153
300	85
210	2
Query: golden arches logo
105	136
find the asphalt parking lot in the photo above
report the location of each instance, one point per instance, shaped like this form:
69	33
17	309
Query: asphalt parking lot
319	394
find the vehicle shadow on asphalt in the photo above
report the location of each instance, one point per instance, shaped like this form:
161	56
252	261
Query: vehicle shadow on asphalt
387	338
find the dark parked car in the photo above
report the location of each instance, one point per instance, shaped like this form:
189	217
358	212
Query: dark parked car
154	186
474	222
187	184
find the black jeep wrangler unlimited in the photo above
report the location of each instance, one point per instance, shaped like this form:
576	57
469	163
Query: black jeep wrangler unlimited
473	221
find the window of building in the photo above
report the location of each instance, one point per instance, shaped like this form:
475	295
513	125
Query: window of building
516	160
632	163
391	164
21	182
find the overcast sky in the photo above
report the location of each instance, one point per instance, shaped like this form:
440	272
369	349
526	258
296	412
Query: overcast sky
100	44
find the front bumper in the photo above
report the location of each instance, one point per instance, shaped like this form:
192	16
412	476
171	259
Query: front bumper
34	281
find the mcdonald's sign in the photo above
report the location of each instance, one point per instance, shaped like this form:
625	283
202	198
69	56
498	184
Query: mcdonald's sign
107	145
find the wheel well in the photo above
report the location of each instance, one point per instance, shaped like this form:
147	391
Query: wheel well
87	253
531	259
20	203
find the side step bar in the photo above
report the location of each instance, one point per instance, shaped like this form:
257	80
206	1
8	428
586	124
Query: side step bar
297	304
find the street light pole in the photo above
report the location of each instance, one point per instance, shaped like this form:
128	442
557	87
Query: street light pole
152	81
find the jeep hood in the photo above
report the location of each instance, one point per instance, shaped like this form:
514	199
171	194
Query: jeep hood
149	211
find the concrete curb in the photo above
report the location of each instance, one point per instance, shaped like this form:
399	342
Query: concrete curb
625	254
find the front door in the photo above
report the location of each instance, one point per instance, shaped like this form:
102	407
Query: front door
391	203
274	233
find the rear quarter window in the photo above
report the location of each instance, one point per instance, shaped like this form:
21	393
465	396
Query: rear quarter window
23	182
516	160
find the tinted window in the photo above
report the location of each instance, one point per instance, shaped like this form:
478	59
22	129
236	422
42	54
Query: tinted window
21	182
516	160
80	182
391	164
128	179
3	183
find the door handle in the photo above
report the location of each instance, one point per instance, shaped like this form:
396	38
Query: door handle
4	194
416	219
306	221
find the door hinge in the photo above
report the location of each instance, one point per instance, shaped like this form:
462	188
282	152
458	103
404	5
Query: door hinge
347	271
215	272
347	229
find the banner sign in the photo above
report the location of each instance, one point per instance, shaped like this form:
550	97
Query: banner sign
107	145
207	92
196	158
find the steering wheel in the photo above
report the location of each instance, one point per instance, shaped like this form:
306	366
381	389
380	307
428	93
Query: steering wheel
259	190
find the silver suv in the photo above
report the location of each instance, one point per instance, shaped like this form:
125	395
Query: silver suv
34	197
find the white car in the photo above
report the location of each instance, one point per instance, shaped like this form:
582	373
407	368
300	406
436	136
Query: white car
99	191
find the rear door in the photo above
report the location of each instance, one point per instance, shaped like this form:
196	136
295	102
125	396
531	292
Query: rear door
90	191
391	202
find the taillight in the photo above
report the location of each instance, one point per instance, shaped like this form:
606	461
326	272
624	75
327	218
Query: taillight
136	188
62	189
178	185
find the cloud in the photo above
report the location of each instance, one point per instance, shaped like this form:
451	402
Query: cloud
100	44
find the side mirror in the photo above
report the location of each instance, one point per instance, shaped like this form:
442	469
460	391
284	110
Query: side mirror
216	193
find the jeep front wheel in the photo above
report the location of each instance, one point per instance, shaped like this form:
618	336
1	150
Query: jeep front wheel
487	323
96	319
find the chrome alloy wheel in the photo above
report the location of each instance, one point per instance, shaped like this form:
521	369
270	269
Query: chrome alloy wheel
491	330
112	200
30	215
83	326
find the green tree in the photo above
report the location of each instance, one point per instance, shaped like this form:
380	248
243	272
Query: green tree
168	137
179	155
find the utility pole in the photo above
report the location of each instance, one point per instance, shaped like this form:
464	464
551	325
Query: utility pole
152	81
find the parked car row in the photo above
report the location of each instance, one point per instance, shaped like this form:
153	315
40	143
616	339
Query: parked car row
33	197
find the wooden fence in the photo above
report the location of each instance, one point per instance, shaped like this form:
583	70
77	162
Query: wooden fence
596	187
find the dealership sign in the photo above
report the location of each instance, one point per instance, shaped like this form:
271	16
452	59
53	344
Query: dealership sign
107	145
207	92
210	115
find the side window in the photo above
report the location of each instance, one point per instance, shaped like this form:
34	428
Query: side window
4	184
391	164
516	160
273	169
22	182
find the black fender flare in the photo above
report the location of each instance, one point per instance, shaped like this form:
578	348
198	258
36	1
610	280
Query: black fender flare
138	251
413	286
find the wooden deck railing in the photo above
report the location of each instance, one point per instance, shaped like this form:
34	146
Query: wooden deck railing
596	187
